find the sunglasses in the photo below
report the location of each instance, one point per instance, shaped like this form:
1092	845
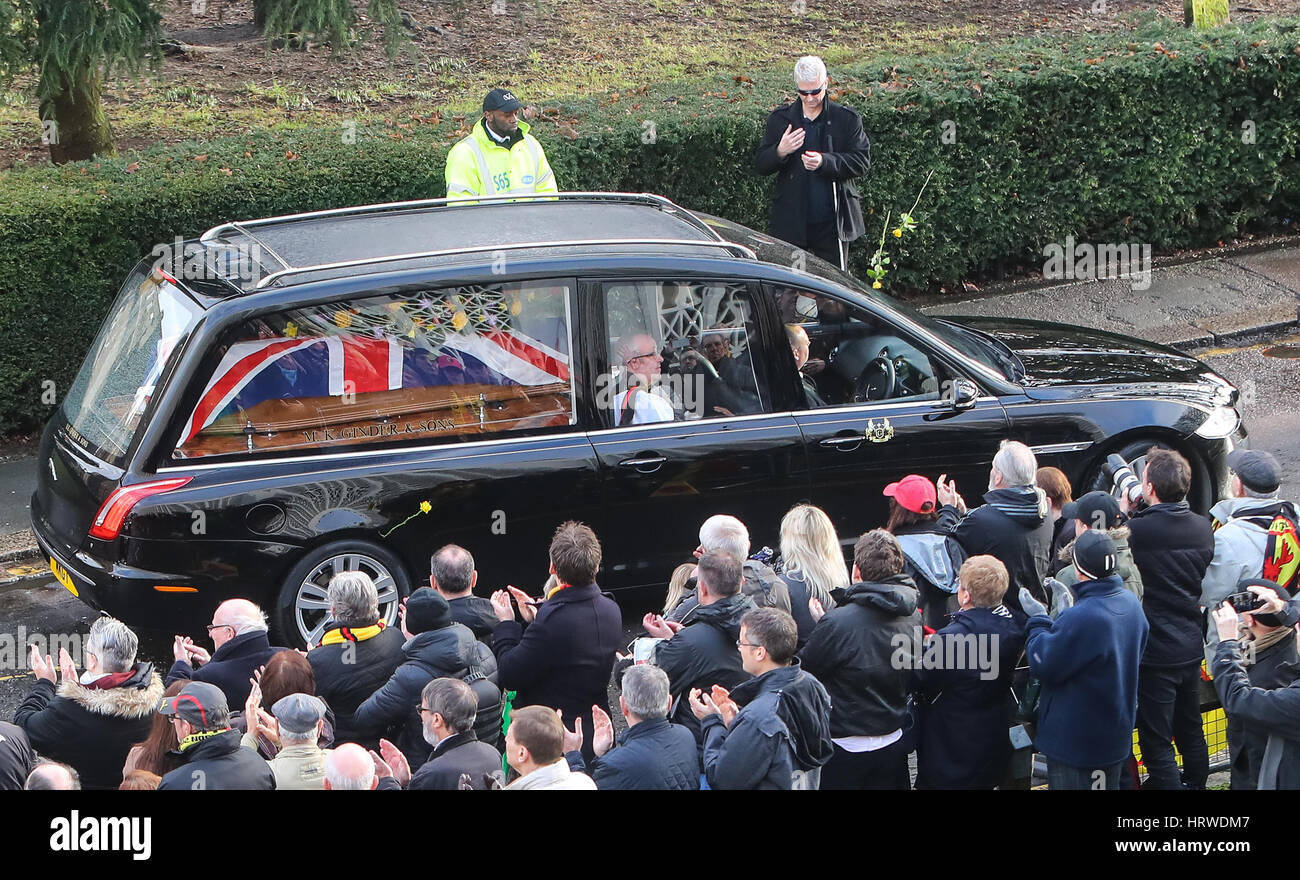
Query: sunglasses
811	92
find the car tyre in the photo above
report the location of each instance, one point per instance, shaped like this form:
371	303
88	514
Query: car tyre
302	605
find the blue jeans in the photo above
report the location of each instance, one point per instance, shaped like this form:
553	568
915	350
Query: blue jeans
1063	777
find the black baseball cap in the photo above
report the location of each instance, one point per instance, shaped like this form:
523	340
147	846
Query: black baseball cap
1259	470
198	702
501	99
1095	555
1096	510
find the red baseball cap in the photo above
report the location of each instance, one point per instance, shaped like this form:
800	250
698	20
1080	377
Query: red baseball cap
914	492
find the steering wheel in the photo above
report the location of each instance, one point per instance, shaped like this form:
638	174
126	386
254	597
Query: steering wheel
876	381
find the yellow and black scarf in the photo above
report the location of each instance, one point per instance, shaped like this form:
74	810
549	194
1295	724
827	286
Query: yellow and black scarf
351	634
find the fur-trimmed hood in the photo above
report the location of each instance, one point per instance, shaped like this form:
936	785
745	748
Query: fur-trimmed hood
137	697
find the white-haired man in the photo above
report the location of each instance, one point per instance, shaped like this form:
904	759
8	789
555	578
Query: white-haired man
726	534
350	768
815	147
1014	524
640	402
91	720
240	647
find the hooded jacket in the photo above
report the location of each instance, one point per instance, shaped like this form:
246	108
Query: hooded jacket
1087	660
348	674
219	763
1124	565
1013	524
448	652
92	728
1172	547
861	652
1273	715
1240	538
780	738
932	558
966	708
703	653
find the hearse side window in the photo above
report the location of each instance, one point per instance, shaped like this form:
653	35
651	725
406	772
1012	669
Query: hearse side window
849	355
678	351
459	363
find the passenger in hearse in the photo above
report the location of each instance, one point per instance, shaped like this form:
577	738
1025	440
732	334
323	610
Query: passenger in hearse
642	402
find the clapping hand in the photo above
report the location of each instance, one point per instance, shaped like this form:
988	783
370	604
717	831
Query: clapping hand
572	738
602	731
501	605
67	669
393	763
658	627
1032	606
702	705
811	160
1062	598
726	706
946	492
42	668
815	608
527	604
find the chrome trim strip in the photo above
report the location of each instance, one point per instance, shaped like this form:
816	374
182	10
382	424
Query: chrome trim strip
512	246
405	450
1051	448
606	432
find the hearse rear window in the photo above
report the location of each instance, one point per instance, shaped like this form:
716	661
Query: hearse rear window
460	363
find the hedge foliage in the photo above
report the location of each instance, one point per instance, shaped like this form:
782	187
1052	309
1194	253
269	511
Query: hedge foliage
1154	134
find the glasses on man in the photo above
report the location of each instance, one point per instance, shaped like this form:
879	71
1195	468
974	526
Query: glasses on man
811	92
637	357
212	626
740	644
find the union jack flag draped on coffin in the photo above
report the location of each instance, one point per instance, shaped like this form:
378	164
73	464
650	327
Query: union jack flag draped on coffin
321	366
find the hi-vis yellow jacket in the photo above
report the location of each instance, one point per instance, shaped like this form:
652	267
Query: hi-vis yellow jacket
478	166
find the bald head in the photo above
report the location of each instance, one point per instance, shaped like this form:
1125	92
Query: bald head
241	614
50	776
350	768
798	338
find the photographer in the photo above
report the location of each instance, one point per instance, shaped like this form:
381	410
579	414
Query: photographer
1172	547
1266	714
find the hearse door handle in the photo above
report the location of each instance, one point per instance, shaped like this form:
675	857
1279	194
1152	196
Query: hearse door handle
839	442
650	462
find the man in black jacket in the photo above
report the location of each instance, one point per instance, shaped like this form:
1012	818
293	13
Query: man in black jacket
1271	662
91	720
240	647
1172	547
816	147
357	654
772	731
214	759
1014	524
863	652
1271	717
700	652
436	647
653	754
447	707
565	655
452	573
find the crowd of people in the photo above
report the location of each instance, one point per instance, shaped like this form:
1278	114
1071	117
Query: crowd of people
970	637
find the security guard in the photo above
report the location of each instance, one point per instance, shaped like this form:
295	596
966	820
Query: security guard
499	157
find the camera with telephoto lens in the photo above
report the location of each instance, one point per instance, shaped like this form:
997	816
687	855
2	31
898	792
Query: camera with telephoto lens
1125	482
1243	602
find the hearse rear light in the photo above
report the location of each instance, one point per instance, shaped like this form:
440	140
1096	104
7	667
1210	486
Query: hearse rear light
108	521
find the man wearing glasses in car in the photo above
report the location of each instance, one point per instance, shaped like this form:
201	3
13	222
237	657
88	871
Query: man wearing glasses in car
642	403
815	147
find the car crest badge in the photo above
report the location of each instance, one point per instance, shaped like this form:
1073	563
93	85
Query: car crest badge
882	433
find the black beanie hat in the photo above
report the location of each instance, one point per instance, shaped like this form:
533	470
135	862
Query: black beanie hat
426	609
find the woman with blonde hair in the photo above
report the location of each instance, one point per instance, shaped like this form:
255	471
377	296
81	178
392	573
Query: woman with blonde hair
678	586
812	563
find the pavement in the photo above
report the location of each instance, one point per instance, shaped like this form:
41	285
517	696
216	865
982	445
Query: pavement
1221	300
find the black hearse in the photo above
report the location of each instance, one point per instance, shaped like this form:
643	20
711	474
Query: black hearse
287	398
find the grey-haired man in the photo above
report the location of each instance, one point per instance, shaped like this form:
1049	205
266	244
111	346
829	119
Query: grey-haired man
815	147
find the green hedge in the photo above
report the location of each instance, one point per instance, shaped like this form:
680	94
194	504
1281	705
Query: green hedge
1132	136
